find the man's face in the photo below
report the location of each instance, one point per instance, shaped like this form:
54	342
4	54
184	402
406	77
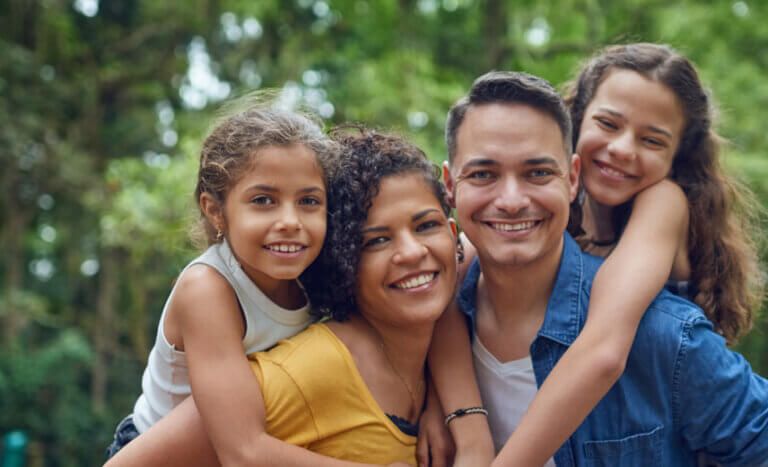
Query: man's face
512	183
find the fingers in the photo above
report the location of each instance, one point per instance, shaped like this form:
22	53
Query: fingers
441	452
422	451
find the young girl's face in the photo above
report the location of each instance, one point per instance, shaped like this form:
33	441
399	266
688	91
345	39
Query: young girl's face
407	266
629	136
276	214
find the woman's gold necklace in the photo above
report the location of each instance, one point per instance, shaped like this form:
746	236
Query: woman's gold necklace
400	377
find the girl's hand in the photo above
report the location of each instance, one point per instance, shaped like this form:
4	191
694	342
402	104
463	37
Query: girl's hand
435	440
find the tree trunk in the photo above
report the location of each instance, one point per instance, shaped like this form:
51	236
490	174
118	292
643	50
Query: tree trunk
14	226
103	333
494	32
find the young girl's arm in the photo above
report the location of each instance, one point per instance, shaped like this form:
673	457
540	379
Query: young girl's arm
180	439
435	446
624	287
226	393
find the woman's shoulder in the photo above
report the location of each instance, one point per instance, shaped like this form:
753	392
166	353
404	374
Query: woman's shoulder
305	352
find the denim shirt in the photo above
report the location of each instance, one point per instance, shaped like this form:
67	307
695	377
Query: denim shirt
682	390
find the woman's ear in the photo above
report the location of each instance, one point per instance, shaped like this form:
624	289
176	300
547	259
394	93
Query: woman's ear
212	210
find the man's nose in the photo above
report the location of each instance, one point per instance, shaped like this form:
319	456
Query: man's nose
513	197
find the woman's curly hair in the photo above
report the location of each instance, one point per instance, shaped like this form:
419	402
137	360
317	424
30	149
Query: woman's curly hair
367	157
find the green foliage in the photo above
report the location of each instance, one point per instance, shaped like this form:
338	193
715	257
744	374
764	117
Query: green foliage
104	111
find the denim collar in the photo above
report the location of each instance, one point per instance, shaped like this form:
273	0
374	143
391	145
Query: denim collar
563	319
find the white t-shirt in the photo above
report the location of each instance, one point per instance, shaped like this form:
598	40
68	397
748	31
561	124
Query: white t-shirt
507	390
165	382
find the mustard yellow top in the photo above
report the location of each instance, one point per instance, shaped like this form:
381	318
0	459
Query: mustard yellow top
315	398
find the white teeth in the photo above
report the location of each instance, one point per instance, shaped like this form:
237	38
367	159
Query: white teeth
512	227
421	279
610	171
284	248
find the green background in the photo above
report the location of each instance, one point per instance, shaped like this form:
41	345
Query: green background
103	107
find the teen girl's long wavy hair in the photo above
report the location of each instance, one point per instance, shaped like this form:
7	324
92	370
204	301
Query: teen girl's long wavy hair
724	261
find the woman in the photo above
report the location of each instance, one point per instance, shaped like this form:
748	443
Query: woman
351	388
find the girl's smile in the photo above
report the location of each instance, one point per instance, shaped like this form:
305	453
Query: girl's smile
629	136
275	215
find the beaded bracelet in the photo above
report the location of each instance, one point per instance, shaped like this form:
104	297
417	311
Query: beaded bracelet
461	412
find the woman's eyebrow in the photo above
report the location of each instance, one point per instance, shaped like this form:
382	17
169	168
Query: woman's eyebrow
374	229
421	214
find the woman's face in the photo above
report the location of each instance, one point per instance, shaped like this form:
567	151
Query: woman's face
407	265
629	136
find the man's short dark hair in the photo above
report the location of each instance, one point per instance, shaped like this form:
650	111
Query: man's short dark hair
509	87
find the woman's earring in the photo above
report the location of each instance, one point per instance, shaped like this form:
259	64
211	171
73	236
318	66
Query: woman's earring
219	235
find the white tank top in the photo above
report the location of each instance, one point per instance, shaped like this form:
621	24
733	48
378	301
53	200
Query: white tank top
165	382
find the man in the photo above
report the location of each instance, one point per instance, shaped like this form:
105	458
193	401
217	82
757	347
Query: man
512	178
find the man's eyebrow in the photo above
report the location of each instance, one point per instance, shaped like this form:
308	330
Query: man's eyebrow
479	162
543	160
422	214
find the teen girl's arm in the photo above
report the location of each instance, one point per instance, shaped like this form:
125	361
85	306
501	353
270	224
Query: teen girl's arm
225	390
435	445
624	287
453	373
180	439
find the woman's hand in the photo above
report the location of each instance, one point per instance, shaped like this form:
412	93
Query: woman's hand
435	446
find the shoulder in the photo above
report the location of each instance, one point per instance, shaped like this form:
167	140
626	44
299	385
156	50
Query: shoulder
664	196
668	323
201	284
203	304
309	353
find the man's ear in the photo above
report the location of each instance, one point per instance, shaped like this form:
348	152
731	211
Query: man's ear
212	210
449	184
573	175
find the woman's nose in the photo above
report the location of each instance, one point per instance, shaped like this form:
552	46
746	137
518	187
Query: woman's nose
409	249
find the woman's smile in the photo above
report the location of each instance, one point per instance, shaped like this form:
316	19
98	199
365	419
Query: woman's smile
408	262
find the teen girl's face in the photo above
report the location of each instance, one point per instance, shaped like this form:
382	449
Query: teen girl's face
629	136
407	266
276	214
